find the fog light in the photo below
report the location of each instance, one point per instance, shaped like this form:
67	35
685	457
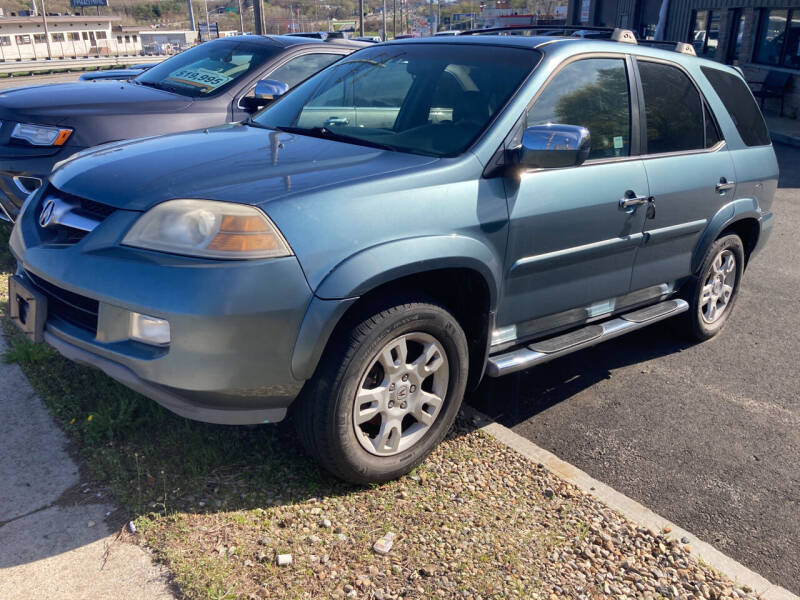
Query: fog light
150	330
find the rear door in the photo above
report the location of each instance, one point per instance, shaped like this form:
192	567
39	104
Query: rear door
689	170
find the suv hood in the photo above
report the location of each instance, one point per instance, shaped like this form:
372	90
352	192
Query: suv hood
234	163
57	104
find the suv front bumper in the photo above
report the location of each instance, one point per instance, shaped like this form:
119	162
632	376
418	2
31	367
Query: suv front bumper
233	324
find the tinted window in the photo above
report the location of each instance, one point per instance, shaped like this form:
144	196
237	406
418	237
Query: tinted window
673	109
771	36
301	68
383	95
712	133
741	106
208	69
592	93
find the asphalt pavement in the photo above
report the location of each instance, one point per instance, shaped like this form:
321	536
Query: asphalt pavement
707	435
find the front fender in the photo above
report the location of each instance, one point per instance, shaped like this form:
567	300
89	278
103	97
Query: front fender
369	268
738	210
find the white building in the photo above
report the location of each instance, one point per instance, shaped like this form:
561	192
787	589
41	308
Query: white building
24	38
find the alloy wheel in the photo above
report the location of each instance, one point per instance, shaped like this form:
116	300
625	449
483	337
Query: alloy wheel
401	394
718	288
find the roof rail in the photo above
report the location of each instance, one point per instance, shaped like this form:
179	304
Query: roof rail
681	47
564	28
624	36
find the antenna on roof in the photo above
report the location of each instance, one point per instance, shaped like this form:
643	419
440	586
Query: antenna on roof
624	36
685	48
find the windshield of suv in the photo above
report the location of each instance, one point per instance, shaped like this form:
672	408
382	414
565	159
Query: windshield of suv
208	69
421	98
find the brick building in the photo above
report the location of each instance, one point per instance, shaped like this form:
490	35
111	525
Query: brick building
757	35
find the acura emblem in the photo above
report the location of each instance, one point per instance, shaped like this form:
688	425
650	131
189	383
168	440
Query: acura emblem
47	216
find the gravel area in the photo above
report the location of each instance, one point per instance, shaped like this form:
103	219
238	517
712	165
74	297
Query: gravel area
476	520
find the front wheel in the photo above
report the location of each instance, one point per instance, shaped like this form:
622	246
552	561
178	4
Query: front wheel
712	293
386	392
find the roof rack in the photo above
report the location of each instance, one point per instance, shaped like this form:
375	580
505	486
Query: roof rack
564	28
624	36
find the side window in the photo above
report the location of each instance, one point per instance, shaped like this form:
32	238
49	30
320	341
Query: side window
673	109
712	133
741	106
592	93
301	68
395	81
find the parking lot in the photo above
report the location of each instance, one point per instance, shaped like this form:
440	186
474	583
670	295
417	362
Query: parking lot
705	435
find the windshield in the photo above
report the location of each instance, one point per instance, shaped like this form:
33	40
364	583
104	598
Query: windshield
420	98
208	69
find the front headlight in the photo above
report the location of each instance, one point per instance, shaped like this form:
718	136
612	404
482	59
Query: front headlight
41	135
207	228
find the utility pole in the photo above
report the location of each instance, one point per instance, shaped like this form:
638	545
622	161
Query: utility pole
431	16
361	17
192	25
46	34
241	18
258	15
384	21
394	18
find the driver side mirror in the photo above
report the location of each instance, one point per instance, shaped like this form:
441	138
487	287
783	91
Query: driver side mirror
265	92
554	146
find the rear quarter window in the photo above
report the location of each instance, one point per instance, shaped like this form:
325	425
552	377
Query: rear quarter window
741	106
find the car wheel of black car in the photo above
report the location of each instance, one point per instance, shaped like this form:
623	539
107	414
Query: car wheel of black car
386	392
712	292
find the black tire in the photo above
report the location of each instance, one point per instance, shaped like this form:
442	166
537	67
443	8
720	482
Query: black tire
698	327
324	415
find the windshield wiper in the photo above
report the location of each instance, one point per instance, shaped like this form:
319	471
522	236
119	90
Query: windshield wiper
327	134
151	84
156	85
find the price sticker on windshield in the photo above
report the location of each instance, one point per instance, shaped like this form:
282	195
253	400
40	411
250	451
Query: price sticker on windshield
200	78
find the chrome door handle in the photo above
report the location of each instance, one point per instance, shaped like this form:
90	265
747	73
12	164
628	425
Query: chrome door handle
724	185
630	199
336	121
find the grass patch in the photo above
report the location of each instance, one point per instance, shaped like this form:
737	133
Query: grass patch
24	351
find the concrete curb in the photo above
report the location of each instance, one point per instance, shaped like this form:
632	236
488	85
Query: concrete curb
630	508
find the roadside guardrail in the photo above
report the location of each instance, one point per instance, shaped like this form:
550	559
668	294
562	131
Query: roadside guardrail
29	67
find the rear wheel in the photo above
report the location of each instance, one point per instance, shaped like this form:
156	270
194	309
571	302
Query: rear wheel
386	391
712	293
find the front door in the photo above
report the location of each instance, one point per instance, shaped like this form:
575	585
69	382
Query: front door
292	72
571	245
689	169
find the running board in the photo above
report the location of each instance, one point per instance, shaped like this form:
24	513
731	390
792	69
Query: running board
543	351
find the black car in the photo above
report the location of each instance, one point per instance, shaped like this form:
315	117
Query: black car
208	85
120	74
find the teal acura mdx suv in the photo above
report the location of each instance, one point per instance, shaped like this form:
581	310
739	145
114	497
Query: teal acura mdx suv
418	215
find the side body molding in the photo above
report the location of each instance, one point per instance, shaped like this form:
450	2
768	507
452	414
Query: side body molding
738	210
372	267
